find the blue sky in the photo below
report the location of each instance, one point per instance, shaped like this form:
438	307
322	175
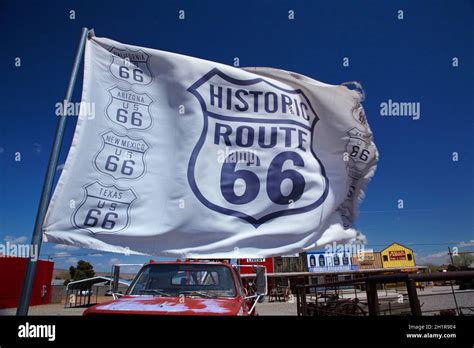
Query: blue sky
407	60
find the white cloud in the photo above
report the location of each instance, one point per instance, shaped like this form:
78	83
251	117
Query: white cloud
61	254
442	256
438	255
65	247
37	147
114	261
15	240
437	258
466	244
72	260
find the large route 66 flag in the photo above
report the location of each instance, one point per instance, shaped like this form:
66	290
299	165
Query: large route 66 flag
191	158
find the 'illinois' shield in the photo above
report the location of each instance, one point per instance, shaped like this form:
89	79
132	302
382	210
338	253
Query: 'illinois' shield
131	66
105	209
254	159
129	109
121	157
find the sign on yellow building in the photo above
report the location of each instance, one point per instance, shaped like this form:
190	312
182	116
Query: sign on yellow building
397	255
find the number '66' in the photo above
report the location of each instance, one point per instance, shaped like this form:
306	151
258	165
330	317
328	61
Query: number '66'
137	74
92	219
275	178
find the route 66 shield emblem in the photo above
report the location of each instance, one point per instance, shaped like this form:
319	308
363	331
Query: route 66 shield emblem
130	66
121	157
254	159
105	209
129	109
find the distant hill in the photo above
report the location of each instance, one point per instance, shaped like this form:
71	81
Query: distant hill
60	274
64	274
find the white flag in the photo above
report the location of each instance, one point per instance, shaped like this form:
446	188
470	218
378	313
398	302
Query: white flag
191	158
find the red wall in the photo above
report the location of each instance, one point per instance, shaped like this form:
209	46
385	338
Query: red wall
12	271
268	263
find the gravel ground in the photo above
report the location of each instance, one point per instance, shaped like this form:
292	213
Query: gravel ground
276	308
446	300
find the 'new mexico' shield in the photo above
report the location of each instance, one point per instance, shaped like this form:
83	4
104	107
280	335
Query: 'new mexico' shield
105	209
254	159
121	157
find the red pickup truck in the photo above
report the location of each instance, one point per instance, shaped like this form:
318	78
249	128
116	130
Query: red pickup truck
186	288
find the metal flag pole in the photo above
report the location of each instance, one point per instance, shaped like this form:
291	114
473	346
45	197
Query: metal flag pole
25	296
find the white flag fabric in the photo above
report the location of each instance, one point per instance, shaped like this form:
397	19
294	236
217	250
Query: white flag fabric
191	158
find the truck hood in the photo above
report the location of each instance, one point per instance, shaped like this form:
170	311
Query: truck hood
158	305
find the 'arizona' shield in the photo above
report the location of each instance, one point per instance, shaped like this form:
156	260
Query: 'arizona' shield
254	159
129	109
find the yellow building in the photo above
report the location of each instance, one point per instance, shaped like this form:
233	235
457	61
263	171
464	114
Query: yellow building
397	256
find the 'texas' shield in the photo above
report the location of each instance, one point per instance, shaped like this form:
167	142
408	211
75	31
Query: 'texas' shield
121	157
130	66
105	209
254	158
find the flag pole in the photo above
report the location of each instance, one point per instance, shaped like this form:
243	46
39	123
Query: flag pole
25	296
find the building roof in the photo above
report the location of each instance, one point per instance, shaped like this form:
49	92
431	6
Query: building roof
87	283
395	243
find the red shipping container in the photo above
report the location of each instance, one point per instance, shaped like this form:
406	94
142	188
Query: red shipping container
12	272
267	262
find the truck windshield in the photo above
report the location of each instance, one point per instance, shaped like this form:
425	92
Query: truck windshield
198	280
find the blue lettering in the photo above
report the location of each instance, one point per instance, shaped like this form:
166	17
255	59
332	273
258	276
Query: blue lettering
288	131
245	106
218	96
301	139
261	137
225	135
239	136
267	102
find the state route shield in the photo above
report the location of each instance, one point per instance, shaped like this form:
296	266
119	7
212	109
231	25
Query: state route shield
360	152
254	159
105	209
130	66
121	156
129	109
